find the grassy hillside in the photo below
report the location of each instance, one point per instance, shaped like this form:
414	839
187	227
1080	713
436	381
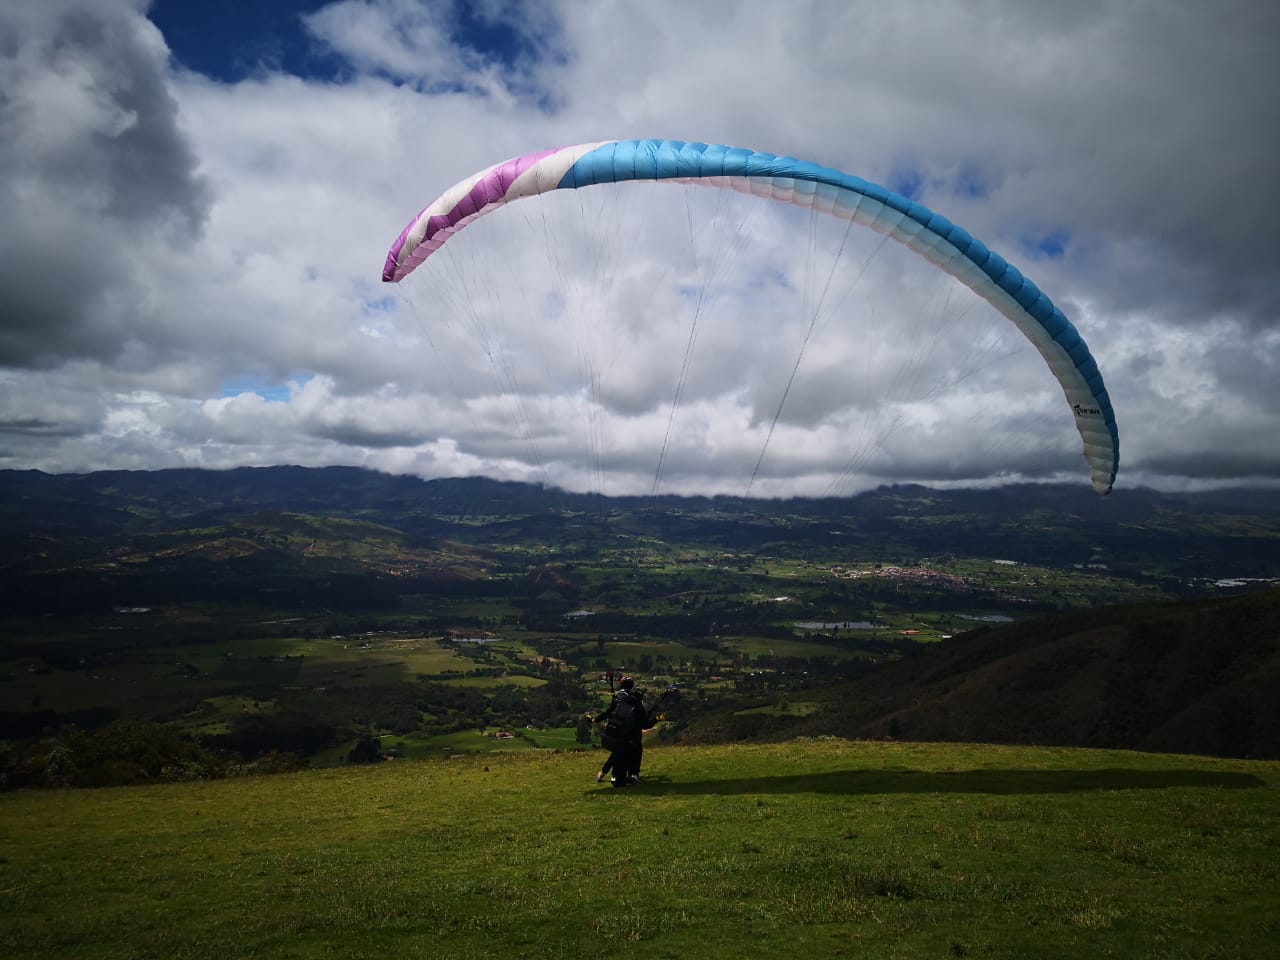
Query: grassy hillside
807	849
1185	677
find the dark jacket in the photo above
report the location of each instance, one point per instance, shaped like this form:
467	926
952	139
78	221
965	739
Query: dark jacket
626	704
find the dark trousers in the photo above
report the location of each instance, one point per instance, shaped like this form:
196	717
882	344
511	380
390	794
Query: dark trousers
628	759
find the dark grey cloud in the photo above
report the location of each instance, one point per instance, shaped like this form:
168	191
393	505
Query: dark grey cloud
354	434
37	427
1246	365
95	176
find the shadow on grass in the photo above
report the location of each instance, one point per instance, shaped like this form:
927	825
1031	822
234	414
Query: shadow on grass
1009	782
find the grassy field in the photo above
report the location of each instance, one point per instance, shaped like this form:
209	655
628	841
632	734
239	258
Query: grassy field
807	849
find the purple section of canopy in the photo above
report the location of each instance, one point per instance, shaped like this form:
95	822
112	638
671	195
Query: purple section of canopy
489	189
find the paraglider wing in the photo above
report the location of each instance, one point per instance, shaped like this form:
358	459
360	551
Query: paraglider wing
803	184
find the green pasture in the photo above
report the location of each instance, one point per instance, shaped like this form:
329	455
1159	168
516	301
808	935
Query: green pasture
515	650
461	743
473	741
476	741
783	708
415	746
493	610
556	738
416	655
214	715
135	679
622	651
109	685
754	647
489	683
805	849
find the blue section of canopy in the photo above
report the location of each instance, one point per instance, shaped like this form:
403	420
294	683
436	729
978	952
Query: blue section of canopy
672	159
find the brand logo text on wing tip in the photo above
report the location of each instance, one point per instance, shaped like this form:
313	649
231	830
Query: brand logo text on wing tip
1081	410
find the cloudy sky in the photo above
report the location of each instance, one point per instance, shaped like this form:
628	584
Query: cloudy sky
197	198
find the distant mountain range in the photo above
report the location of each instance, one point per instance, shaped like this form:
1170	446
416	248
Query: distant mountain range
109	499
1222	534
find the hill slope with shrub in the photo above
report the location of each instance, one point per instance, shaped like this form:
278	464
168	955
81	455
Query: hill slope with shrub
1185	677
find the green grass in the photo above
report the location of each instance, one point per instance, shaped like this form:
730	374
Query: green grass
784	708
135	680
624	651
807	849
414	655
418	746
489	683
777	647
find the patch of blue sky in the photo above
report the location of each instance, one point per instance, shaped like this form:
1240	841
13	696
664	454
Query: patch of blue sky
380	307
973	181
906	181
495	38
270	392
1050	245
379	316
229	40
769	278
